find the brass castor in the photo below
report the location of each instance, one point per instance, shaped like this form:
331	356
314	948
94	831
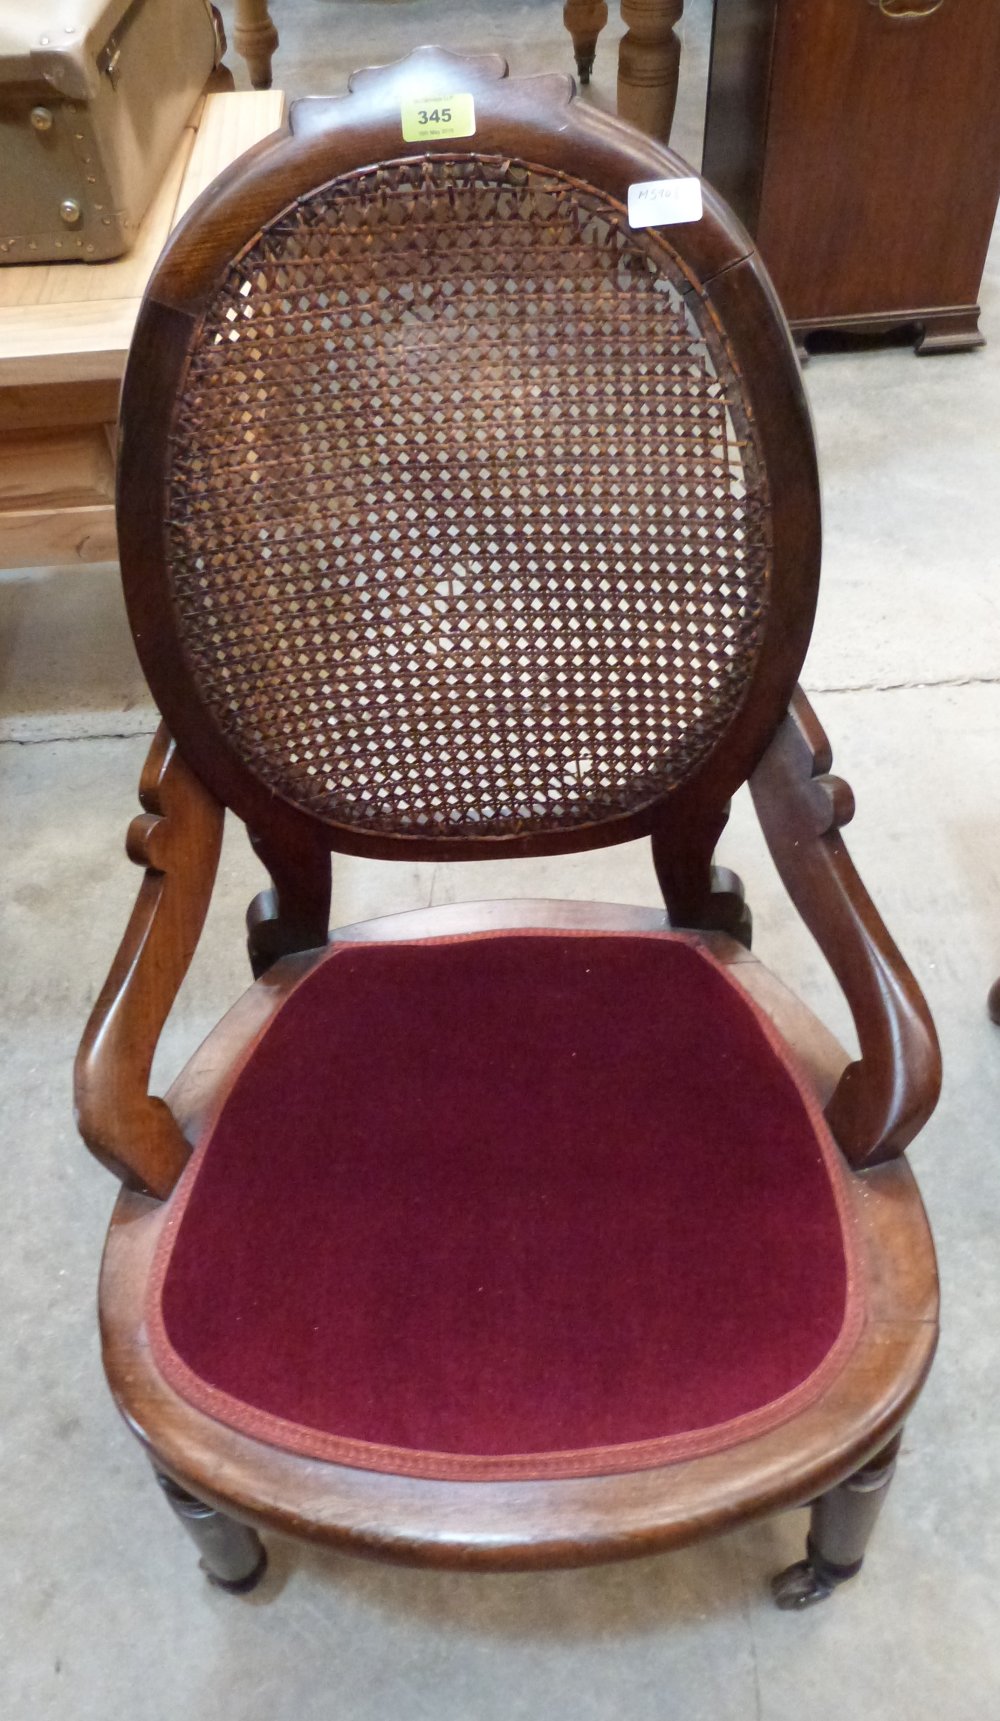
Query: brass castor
839	1527
809	1581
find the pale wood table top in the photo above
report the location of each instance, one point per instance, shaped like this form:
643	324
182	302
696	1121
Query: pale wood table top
65	330
72	322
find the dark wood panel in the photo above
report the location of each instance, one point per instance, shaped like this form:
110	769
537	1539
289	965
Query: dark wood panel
884	150
863	150
738	93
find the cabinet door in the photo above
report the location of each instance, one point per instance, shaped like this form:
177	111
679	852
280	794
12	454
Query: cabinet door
881	166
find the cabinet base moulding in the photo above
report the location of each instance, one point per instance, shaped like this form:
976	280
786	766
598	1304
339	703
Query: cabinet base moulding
952	329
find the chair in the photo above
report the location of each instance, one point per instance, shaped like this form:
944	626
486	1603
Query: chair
459	519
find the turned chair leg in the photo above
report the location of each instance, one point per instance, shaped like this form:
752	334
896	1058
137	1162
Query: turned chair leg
232	1555
841	1523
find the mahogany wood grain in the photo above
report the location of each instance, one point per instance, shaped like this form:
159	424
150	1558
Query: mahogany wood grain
874	1105
840	1525
327	137
232	1555
884	1098
861	146
698	894
737	102
519	1525
177	839
295	913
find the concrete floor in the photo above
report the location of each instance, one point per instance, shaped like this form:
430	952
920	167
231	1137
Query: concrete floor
102	1611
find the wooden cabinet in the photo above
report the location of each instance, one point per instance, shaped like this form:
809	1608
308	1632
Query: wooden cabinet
859	140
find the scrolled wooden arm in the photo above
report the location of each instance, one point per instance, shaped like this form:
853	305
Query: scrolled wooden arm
886	1096
177	839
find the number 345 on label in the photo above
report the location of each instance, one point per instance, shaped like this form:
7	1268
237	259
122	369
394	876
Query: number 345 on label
432	117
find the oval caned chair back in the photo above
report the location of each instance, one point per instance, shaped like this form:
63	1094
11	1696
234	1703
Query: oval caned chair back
467	527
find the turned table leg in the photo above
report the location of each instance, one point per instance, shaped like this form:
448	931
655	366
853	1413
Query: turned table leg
648	65
255	39
585	19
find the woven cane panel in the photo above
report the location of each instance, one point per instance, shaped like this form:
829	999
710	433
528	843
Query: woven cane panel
467	531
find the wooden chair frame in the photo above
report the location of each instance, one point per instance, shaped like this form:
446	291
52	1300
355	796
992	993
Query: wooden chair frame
839	1452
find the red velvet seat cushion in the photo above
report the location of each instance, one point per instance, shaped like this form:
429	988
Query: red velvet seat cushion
512	1204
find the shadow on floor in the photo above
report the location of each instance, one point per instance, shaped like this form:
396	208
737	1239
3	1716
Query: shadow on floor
629	1598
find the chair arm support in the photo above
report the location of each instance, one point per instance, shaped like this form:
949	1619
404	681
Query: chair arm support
884	1098
177	839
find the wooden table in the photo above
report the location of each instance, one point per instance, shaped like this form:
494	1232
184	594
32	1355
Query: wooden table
64	336
648	58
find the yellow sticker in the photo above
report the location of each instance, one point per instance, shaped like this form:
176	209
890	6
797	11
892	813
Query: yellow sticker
433	117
